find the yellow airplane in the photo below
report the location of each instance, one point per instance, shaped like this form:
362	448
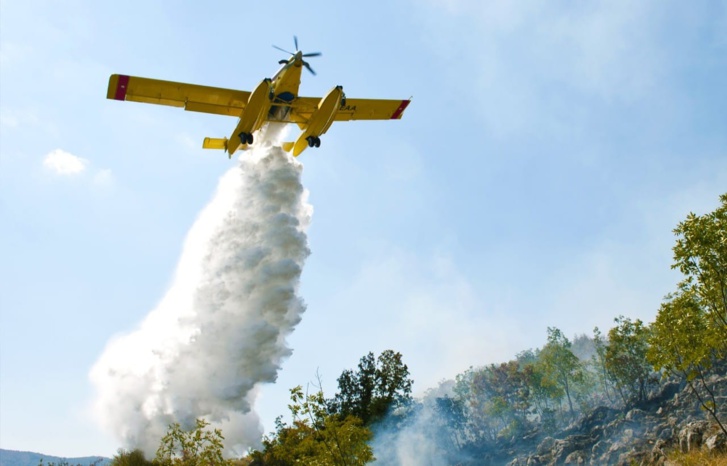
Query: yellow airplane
275	99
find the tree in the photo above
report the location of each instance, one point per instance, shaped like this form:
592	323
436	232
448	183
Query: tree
451	414
560	365
678	346
542	390
379	385
625	358
315	436
130	458
197	447
506	394
598	363
690	332
700	254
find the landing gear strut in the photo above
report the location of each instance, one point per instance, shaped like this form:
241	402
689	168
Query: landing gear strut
245	138
313	141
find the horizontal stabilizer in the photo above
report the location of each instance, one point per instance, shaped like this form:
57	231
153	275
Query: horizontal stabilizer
215	143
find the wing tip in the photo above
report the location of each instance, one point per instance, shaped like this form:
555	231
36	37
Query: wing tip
118	86
400	110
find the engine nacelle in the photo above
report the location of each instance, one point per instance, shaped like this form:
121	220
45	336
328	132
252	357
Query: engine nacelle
253	115
321	119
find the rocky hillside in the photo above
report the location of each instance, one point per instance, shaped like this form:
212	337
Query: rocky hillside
672	419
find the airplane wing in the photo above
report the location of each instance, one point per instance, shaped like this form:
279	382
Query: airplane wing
355	109
192	97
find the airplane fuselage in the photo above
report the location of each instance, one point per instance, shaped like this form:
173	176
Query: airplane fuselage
286	81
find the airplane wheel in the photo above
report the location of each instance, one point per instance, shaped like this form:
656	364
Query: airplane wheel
318	142
245	138
311	141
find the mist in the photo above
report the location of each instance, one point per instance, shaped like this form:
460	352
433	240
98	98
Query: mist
221	328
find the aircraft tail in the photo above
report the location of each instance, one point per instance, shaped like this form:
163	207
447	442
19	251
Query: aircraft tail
221	143
215	143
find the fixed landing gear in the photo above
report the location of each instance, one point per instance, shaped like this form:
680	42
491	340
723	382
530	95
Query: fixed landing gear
245	138
313	141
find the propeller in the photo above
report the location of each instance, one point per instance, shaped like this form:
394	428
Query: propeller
306	55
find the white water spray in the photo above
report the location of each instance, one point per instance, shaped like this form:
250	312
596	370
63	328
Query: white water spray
221	328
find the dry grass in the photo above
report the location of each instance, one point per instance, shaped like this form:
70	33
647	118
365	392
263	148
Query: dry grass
696	458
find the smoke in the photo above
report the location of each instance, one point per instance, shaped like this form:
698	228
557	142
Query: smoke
416	443
419	435
221	328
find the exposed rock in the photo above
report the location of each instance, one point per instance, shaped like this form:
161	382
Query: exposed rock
545	446
690	436
716	442
577	457
635	415
664	432
638	436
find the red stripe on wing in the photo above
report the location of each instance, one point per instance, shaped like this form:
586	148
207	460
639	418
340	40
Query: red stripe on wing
400	110
121	87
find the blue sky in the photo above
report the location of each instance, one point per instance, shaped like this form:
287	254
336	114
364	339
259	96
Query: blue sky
534	181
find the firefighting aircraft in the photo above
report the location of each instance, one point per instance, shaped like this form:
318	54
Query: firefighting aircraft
275	99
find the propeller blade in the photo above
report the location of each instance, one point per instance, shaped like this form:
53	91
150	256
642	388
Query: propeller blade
312	54
295	39
309	68
282	50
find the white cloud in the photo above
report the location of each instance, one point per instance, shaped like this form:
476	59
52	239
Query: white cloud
64	163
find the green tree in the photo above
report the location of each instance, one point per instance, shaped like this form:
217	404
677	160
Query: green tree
197	447
542	390
678	346
625	358
315	436
700	254
690	332
378	386
560	366
130	458
505	389
598	363
478	426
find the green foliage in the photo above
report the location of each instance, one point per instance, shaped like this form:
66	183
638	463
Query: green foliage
315	436
130	458
625	358
197	447
700	254
378	386
506	393
690	332
452	416
677	342
598	363
560	366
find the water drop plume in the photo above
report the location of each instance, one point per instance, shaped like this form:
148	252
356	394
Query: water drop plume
220	329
